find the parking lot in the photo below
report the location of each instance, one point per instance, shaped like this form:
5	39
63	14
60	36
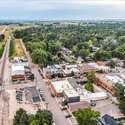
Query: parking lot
14	104
107	107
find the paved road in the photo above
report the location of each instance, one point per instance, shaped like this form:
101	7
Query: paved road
6	72
59	117
4	63
4	75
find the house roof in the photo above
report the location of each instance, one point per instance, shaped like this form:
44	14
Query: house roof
74	83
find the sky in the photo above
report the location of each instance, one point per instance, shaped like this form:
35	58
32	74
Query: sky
62	9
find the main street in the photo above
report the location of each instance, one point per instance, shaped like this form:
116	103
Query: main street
59	117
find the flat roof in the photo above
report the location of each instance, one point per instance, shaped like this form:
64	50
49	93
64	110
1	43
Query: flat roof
71	66
17	69
114	79
60	86
70	93
110	78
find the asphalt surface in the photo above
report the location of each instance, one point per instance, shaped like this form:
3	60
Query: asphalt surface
53	106
4	78
59	117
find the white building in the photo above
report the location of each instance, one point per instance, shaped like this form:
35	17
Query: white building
17	72
64	88
69	69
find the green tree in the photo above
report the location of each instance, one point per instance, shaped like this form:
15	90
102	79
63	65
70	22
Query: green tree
1	51
75	50
102	55
51	36
12	49
54	47
91	77
42	117
20	117
121	39
89	87
40	56
87	116
84	53
119	51
2	36
34	122
112	64
122	105
119	91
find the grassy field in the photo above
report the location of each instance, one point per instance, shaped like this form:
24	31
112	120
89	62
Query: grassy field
18	48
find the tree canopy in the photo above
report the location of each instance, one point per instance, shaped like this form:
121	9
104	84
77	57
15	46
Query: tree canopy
87	116
42	117
80	39
119	91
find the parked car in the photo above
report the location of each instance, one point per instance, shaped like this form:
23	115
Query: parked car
67	115
63	107
92	103
52	95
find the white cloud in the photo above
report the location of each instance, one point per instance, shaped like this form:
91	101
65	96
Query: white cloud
74	4
63	8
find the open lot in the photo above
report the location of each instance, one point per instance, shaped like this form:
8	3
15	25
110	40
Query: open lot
18	48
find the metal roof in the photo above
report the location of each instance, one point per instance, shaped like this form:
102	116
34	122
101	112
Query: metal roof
108	120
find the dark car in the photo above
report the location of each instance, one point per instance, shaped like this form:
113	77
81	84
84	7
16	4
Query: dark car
68	115
93	103
52	95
